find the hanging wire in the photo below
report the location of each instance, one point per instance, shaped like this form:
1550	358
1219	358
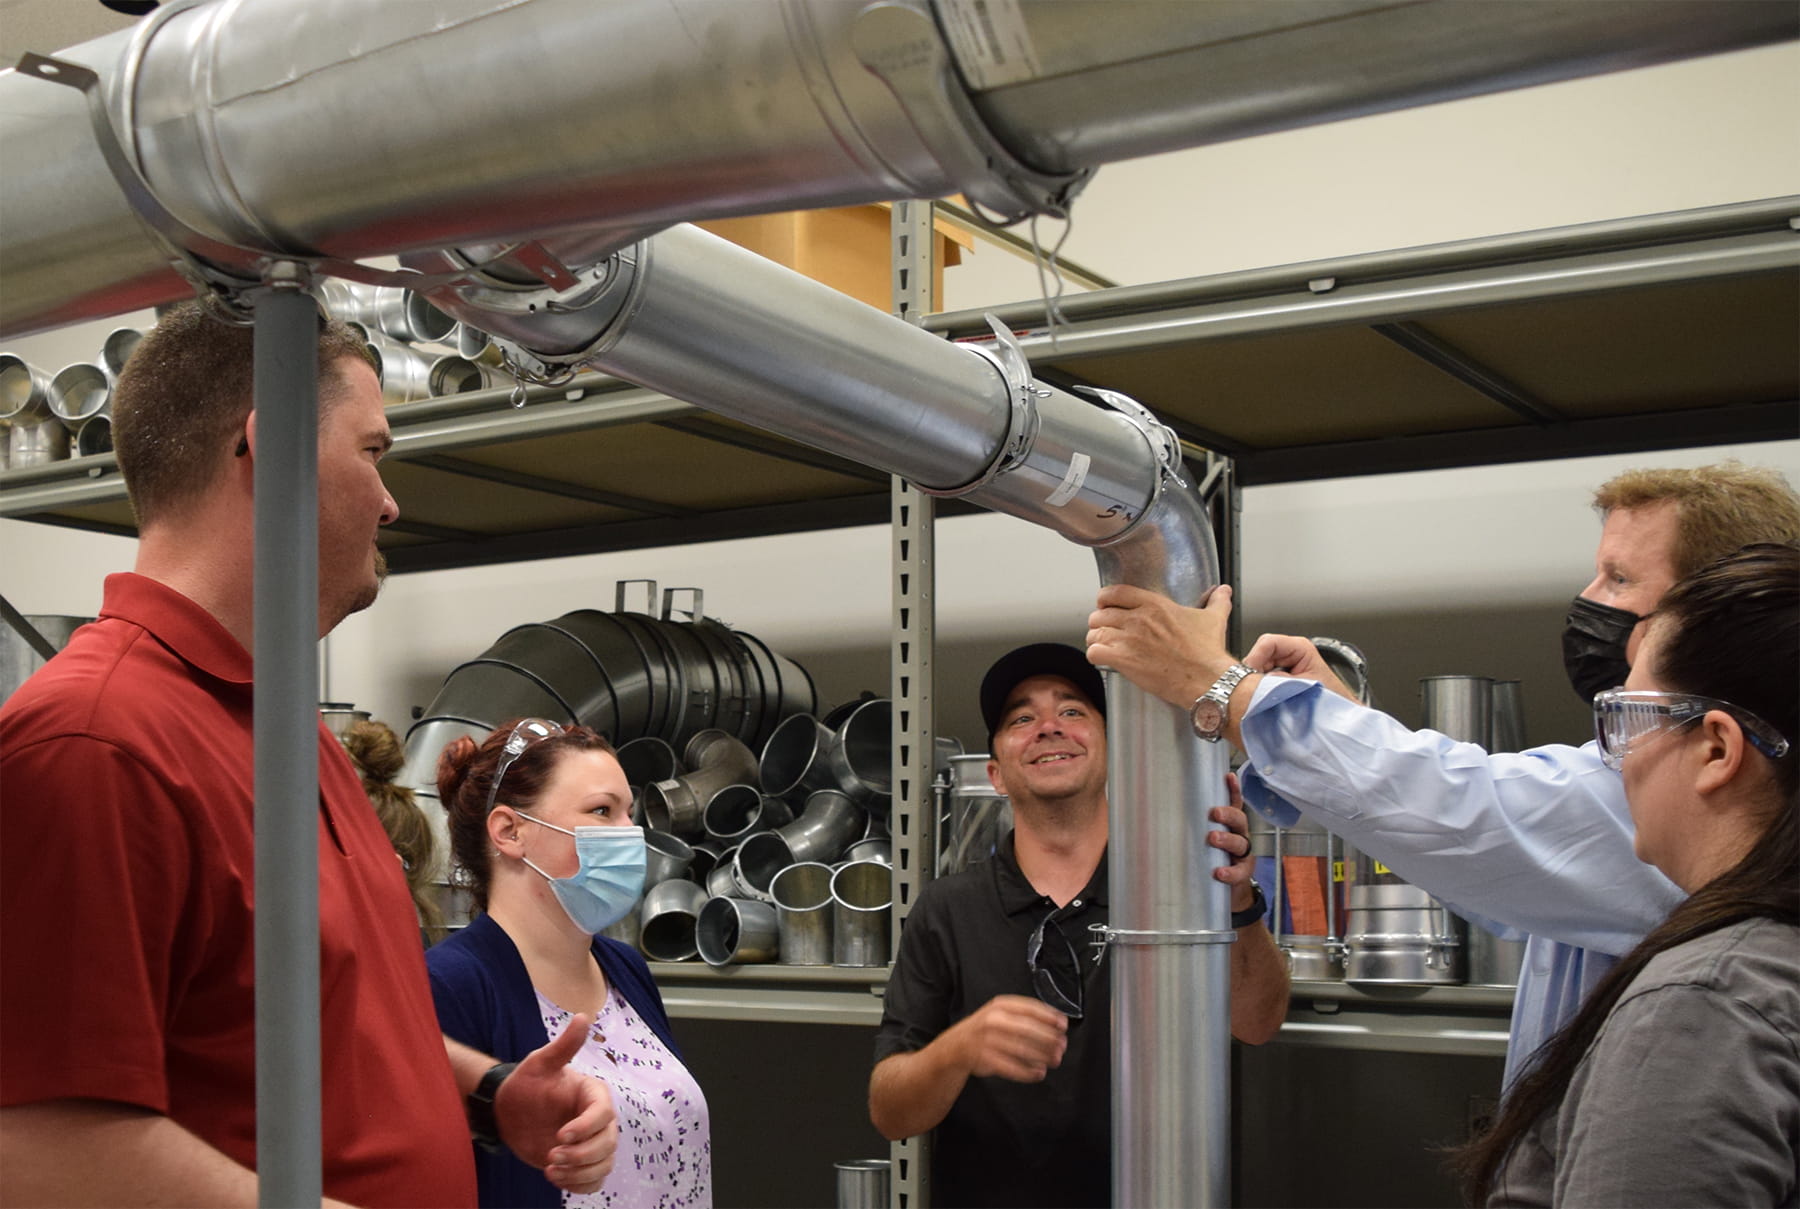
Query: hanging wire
1052	300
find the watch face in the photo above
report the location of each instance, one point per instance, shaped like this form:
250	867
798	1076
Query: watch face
1209	717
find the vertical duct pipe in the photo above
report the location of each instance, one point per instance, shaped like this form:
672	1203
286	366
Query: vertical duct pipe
248	120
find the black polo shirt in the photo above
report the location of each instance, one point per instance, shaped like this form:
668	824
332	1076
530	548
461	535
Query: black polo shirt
1006	1143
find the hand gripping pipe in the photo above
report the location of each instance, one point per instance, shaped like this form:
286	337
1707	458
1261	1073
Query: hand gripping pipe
694	316
332	130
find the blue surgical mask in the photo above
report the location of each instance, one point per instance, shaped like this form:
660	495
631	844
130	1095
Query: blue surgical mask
605	886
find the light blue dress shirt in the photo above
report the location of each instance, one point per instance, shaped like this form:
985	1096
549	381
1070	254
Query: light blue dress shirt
1535	843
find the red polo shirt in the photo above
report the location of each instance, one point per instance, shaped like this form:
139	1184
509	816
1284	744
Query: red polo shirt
126	936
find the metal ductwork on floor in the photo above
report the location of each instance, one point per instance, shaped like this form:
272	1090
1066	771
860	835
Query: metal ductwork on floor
293	140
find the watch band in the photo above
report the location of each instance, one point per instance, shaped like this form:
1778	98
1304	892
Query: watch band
484	1129
1212	708
1258	907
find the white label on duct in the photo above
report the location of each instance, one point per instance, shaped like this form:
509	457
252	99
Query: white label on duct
1071	482
990	41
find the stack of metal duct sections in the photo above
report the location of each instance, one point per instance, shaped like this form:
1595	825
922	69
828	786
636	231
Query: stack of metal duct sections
782	856
48	417
419	351
630	676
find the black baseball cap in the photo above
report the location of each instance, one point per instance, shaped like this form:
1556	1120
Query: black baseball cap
1038	659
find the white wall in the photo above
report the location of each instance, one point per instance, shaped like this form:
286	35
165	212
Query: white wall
1436	572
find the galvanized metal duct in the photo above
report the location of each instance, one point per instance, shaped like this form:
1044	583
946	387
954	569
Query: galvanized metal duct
275	126
627	675
697	317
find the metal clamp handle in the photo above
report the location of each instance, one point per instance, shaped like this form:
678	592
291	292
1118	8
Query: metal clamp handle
1162	438
900	45
697	612
619	594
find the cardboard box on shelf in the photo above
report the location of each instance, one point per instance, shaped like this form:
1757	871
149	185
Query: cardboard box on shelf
845	248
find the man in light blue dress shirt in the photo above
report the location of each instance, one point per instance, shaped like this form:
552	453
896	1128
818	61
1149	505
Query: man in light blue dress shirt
1536	843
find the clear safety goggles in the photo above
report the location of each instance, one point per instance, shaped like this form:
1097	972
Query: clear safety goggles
1625	719
527	732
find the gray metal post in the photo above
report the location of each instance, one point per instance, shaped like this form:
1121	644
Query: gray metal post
914	811
288	1126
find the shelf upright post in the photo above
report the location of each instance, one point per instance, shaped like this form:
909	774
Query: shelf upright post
286	735
913	818
1224	497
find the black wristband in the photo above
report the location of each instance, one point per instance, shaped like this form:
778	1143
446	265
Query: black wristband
1255	911
484	1129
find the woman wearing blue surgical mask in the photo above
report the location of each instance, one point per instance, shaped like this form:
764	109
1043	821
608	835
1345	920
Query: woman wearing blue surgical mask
1678	1082
540	825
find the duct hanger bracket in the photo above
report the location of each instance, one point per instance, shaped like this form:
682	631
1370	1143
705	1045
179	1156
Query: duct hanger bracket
900	44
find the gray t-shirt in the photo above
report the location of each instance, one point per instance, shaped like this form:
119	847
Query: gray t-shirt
1690	1095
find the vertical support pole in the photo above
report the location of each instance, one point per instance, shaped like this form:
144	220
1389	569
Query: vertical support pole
288	1123
914	811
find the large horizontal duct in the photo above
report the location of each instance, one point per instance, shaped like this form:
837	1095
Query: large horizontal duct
352	128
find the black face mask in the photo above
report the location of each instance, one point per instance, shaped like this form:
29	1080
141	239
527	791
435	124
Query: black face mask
1594	639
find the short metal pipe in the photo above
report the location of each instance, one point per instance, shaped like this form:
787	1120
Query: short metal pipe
829	824
860	754
793	760
666	858
736	812
405	373
94	436
24	392
736	931
80	392
861	894
717	759
36	444
457	375
667	919
803	913
116	351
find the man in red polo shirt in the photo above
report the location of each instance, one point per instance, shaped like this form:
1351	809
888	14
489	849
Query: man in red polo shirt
126	794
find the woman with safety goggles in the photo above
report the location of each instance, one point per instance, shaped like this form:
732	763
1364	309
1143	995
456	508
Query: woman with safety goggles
540	827
1678	1083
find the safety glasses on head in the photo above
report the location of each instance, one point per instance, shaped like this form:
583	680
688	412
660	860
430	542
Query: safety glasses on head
1055	966
527	732
1626	719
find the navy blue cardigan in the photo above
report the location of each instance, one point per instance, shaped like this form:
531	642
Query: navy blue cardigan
485	1000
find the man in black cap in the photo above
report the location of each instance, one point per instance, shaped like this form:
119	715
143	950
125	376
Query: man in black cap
994	1029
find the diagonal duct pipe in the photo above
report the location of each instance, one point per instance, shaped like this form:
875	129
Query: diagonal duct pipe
250	120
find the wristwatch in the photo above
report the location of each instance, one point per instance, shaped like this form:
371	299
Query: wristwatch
1210	709
1258	907
483	1128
